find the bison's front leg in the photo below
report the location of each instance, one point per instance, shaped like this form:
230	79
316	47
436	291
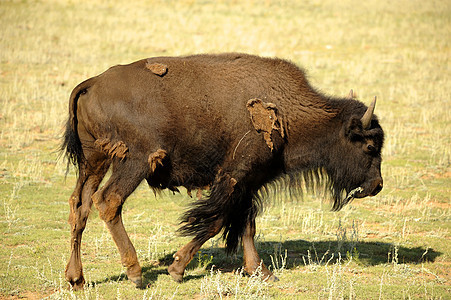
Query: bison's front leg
182	259
251	258
186	254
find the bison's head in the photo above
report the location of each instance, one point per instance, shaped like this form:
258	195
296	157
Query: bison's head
355	167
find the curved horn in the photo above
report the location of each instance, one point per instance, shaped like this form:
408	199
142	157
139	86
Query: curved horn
366	119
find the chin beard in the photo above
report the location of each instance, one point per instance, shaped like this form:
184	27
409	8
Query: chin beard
352	194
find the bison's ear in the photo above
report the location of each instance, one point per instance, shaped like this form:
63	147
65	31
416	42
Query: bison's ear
354	129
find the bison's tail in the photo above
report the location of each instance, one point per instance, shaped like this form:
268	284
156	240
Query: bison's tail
71	145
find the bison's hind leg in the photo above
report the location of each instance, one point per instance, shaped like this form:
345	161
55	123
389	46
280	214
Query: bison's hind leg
126	176
91	172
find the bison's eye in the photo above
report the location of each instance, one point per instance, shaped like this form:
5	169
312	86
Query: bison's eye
371	149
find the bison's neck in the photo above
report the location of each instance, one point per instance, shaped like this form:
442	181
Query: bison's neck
313	133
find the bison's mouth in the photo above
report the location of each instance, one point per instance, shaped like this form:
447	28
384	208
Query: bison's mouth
360	192
355	193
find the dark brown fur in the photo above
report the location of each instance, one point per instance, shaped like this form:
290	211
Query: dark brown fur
233	122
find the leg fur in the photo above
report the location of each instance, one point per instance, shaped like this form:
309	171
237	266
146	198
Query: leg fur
186	254
91	174
251	258
109	200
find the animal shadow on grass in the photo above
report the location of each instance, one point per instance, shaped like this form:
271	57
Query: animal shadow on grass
364	253
296	253
320	252
150	273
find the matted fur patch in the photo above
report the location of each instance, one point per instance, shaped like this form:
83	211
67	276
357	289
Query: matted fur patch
265	118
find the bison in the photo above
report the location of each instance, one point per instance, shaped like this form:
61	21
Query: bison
233	122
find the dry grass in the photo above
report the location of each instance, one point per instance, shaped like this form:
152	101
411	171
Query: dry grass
390	246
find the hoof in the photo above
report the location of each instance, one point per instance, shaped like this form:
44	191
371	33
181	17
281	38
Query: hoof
76	283
137	281
175	275
272	278
134	274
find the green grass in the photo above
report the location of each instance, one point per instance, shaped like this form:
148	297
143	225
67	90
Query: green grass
392	246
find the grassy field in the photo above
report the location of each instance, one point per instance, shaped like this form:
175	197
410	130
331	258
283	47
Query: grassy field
393	246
